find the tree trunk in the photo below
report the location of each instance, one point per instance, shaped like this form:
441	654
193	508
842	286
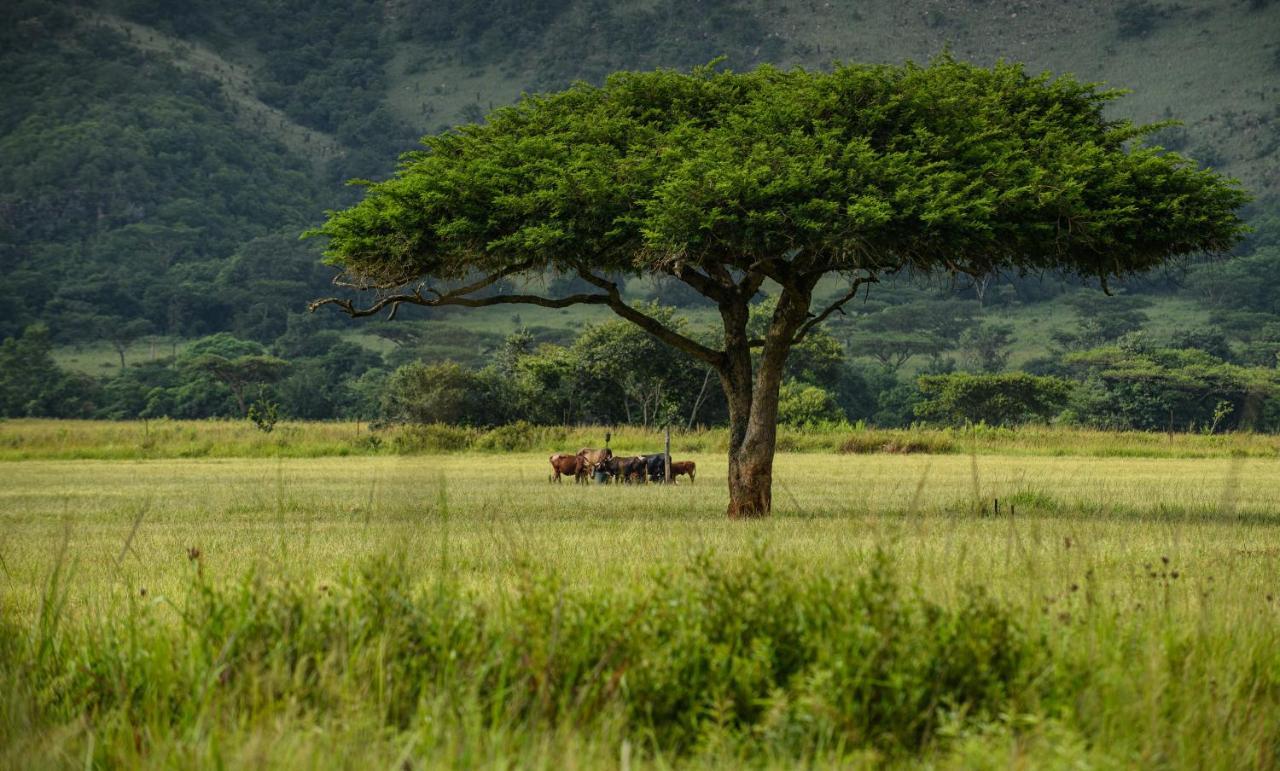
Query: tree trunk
753	399
239	394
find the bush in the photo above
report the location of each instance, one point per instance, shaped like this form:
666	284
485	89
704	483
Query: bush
520	436
443	392
999	400
801	404
432	437
898	442
765	656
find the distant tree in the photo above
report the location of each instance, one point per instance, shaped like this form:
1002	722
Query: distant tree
986	347
122	333
998	400
518	345
1100	319
240	373
653	382
32	384
443	392
725	180
897	333
237	364
1249	282
1164	388
1211	341
804	404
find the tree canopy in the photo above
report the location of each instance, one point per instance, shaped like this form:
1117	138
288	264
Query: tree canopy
868	167
725	180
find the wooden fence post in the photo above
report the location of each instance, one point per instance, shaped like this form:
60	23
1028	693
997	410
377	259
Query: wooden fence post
666	478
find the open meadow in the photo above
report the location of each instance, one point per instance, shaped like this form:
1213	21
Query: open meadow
442	609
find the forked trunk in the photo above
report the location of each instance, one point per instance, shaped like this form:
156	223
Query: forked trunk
753	404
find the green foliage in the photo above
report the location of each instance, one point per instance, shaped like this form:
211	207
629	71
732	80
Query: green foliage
895	333
997	400
620	366
942	167
1101	319
986	347
443	392
769	657
264	415
802	404
238	373
1249	282
32	384
126	181
1165	388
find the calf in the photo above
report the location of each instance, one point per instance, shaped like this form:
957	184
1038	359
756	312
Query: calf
683	467
564	463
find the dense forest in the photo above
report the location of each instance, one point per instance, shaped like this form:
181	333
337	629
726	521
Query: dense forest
160	161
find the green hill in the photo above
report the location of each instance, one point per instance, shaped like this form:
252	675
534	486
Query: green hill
157	160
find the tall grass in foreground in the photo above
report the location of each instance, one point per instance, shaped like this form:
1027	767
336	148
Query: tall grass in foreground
32	439
744	661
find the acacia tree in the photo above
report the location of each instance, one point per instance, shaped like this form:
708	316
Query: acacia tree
727	180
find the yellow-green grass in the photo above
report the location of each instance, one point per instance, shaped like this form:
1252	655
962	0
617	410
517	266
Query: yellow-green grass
1118	559
38	439
1059	518
1152	585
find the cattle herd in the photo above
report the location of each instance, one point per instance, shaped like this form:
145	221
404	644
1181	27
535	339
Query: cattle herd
604	467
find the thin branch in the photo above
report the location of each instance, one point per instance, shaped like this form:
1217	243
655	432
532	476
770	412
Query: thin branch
651	325
460	296
838	305
451	298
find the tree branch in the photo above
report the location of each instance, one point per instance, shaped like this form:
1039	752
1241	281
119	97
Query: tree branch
651	325
838	305
460	296
703	285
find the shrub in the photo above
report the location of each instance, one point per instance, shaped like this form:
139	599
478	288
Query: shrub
801	404
748	648
432	437
520	436
1001	400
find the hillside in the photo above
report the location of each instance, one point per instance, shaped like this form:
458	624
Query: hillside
145	146
158	161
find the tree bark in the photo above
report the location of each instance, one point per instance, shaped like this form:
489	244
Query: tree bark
753	398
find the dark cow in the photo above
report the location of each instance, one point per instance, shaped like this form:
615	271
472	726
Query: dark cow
633	469
687	467
612	468
563	463
656	465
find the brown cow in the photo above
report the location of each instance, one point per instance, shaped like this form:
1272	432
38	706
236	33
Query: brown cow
564	463
683	467
633	469
589	458
595	457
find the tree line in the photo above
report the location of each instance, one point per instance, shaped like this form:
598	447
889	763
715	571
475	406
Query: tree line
1123	377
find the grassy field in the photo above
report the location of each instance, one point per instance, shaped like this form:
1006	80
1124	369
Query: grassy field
39	439
436	610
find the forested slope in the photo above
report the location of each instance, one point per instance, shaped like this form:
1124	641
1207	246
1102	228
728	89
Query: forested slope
144	144
158	160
